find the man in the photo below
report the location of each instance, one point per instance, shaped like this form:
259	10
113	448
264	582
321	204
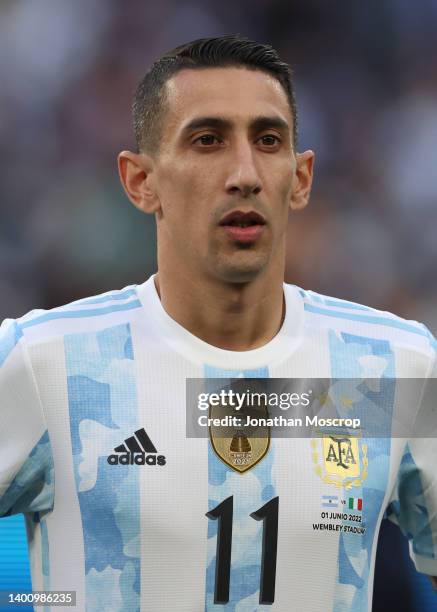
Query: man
120	505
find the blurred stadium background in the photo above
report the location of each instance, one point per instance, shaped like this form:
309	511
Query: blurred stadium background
366	83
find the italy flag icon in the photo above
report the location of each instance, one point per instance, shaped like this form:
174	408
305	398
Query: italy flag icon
355	503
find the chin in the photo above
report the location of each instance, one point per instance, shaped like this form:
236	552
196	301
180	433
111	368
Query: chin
239	271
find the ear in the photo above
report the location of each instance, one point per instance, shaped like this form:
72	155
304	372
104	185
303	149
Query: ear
136	176
302	181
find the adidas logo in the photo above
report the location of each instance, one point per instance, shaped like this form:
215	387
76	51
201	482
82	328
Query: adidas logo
136	450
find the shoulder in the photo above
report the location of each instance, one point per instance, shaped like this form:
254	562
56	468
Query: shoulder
81	316
348	317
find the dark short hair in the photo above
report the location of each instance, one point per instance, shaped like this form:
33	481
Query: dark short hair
149	104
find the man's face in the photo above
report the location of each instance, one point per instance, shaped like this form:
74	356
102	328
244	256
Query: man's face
225	172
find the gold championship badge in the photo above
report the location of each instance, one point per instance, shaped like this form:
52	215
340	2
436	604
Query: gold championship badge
340	460
236	436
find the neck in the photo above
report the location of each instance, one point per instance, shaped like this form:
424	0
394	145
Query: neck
236	317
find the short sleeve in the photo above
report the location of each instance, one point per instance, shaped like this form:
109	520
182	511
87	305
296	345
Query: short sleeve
26	460
413	505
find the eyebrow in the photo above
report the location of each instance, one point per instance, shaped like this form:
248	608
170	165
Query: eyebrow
257	124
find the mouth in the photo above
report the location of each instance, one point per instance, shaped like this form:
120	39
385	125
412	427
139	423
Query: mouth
243	227
237	218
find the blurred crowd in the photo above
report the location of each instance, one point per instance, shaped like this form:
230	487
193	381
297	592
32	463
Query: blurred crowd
366	88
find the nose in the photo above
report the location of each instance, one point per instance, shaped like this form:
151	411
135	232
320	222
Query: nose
243	178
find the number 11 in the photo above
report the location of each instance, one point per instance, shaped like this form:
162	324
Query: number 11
269	515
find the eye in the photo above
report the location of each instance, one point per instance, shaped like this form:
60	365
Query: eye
207	140
270	140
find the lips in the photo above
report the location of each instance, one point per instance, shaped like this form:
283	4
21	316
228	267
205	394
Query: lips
243	227
237	218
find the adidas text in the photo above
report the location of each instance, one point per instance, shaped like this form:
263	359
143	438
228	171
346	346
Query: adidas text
136	459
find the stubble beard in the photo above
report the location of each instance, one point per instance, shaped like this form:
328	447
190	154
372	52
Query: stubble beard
244	265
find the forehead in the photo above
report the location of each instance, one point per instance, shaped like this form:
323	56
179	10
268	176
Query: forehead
232	92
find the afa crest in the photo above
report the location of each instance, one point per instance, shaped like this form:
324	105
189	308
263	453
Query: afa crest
340	460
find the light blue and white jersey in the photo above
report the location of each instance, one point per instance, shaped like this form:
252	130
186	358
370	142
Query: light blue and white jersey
86	387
